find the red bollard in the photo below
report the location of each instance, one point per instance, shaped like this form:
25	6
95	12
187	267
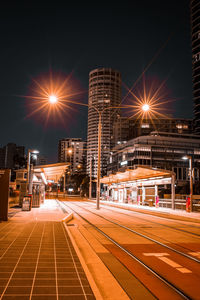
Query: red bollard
188	204
157	201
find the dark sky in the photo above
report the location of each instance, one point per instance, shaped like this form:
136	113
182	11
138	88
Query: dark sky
74	39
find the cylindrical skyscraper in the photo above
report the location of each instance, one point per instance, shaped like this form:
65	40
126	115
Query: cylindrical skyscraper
195	26
104	92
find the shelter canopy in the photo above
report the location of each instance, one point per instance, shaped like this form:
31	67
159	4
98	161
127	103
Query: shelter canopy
137	174
52	171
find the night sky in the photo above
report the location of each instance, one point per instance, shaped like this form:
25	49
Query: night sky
72	40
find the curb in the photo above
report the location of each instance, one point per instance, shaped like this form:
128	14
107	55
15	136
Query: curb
84	265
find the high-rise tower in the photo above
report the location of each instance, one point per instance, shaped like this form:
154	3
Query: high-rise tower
195	26
104	91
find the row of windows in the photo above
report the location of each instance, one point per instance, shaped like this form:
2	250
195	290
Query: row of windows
105	84
196	58
195	7
195	29
106	72
196	40
196	14
197	78
104	78
197	86
197	94
194	3
196	21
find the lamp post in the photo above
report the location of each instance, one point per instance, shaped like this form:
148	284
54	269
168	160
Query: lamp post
90	186
69	153
189	157
29	181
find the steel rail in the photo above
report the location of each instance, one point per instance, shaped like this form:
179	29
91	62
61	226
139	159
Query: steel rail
168	226
160	277
142	235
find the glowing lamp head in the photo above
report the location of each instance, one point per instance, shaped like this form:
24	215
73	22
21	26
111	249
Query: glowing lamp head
145	107
185	157
53	99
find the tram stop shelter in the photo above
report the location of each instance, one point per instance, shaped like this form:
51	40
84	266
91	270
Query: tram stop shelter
40	177
138	186
44	174
51	172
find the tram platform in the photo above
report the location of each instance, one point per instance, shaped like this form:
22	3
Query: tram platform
38	259
178	214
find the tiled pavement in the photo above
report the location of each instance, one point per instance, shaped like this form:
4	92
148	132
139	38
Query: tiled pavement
38	260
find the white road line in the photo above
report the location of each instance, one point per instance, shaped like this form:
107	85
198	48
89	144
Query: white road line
184	270
197	254
168	261
155	254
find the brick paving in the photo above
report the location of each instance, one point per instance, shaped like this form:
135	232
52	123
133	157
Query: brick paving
37	258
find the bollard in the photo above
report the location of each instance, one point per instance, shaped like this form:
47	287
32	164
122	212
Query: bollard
188	204
157	201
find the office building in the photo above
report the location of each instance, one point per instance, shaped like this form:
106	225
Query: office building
125	129
41	160
104	92
159	150
73	150
12	156
195	34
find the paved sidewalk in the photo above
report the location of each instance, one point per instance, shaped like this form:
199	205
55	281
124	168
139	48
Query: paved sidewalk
37	258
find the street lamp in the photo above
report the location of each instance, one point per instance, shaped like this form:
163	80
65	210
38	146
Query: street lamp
29	181
53	99
145	107
189	157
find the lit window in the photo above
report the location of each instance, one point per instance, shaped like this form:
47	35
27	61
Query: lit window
145	126
182	126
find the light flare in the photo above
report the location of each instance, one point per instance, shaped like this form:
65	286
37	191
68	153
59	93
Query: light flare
53	99
149	102
52	95
145	107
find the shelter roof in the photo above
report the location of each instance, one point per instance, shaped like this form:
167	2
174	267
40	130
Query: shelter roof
140	172
52	171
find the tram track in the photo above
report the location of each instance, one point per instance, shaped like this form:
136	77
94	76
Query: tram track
142	235
159	217
130	254
134	214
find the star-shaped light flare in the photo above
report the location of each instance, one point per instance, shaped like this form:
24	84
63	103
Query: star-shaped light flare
52	97
149	103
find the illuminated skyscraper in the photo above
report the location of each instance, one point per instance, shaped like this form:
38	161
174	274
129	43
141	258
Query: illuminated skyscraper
104	91
195	27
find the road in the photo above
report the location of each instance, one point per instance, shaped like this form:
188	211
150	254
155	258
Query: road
151	257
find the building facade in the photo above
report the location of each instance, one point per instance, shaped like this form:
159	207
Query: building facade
73	150
12	156
104	92
41	160
125	129
159	150
195	34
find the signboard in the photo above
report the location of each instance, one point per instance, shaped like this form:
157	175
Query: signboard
4	193
26	204
23	192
